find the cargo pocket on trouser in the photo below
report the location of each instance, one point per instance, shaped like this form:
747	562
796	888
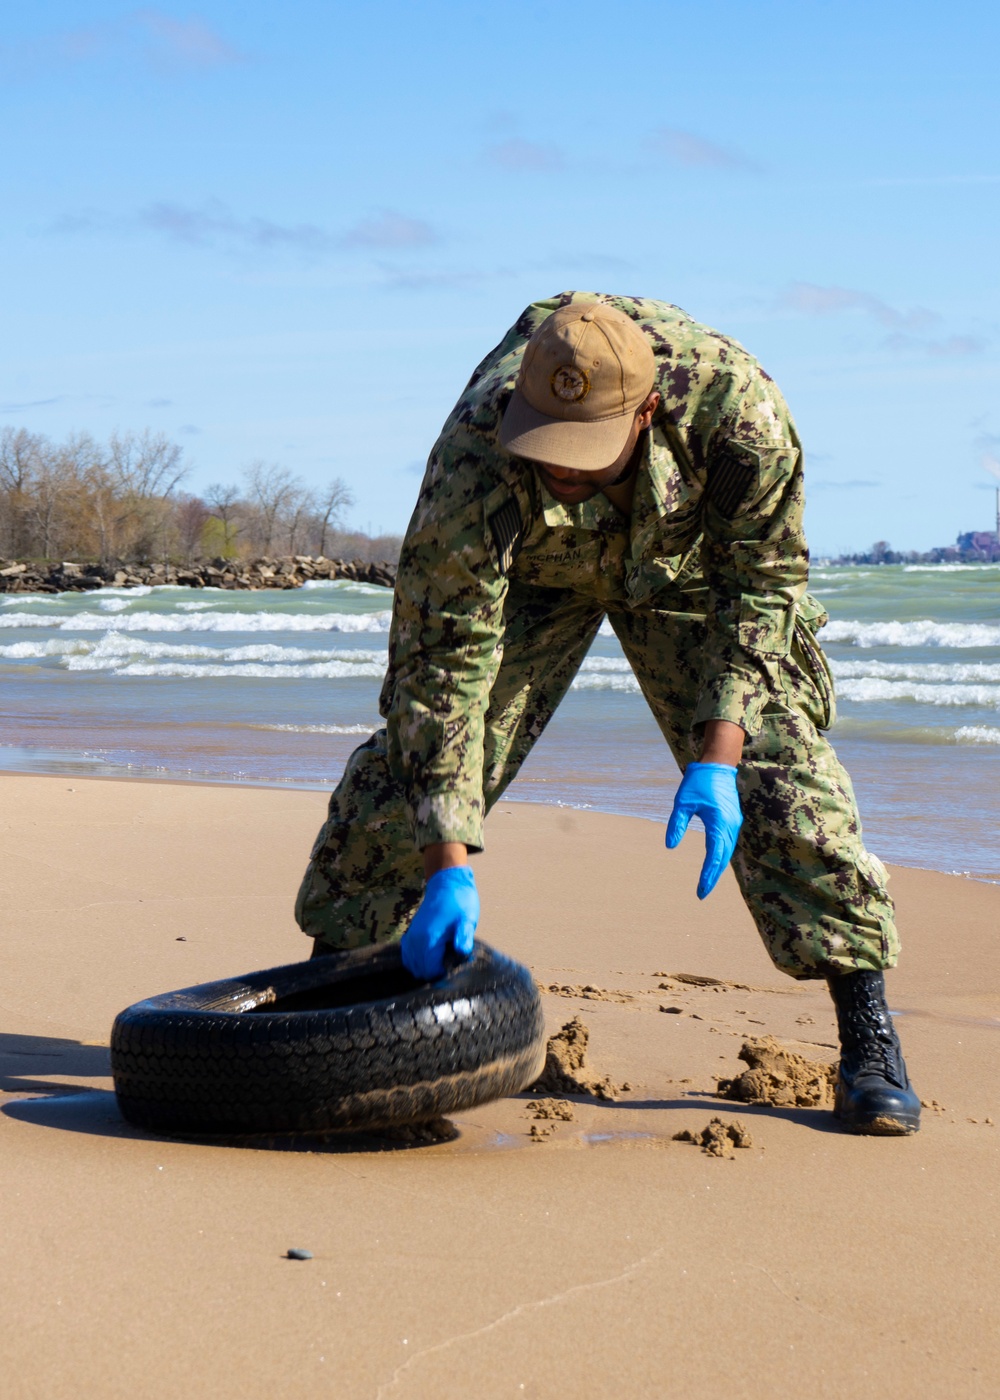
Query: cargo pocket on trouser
819	912
818	897
876	904
806	678
364	879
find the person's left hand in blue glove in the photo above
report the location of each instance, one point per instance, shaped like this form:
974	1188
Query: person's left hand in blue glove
447	918
708	790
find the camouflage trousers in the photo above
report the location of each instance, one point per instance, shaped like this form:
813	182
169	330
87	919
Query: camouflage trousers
817	896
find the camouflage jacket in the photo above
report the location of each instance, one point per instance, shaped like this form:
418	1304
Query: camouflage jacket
716	529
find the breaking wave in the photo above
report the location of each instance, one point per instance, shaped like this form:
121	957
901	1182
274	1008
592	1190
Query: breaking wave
948	568
215	621
931	671
977	734
120	653
923	633
585	681
320	728
870	688
606	673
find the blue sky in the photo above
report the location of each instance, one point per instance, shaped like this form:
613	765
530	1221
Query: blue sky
289	232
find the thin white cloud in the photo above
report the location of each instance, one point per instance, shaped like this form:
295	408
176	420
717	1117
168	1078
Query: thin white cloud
519	155
390	229
686	148
813	300
188	42
31	403
950	348
146	35
500	120
957	345
908	330
214	224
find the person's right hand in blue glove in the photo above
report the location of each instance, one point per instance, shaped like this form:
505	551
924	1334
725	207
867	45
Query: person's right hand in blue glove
447	918
708	791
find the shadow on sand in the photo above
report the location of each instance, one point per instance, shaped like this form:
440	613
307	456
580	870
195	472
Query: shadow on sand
29	1062
25	1057
82	1108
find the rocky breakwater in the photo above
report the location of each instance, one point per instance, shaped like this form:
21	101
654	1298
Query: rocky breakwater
290	572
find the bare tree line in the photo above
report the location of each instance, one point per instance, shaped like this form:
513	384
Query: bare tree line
84	500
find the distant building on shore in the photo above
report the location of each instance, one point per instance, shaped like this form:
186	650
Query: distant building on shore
980	544
972	547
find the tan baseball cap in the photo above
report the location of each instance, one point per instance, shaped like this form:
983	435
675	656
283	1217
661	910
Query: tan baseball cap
585	371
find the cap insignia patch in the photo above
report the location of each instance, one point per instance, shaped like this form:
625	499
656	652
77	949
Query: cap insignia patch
570	384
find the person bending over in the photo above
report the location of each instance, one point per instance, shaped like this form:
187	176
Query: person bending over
612	458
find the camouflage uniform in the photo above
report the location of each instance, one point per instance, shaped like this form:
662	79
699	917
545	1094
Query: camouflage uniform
500	592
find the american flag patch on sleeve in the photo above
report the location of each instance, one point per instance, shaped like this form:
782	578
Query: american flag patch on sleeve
506	526
732	479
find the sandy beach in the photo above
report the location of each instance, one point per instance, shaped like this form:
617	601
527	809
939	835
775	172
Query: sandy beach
603	1259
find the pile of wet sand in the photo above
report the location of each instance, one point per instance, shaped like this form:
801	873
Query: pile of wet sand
778	1076
718	1138
566	1070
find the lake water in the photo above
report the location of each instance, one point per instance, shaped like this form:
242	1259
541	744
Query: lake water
215	686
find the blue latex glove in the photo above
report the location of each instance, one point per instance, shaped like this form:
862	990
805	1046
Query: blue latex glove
447	917
708	790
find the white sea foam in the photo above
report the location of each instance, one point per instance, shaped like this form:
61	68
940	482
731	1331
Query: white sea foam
930	672
605	681
948	568
177	670
872	689
922	633
123	655
38	651
113	648
977	734
320	728
338	585
606	673
605	663
229	621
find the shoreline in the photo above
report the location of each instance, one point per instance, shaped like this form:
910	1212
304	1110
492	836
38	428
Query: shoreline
276	785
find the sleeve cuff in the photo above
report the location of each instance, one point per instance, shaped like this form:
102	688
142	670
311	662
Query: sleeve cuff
447	816
733	698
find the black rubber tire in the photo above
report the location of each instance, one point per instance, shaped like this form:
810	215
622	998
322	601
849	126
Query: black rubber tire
345	1042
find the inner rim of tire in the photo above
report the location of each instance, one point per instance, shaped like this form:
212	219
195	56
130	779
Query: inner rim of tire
346	991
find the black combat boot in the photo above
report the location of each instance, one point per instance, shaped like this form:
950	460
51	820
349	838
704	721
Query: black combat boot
873	1090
